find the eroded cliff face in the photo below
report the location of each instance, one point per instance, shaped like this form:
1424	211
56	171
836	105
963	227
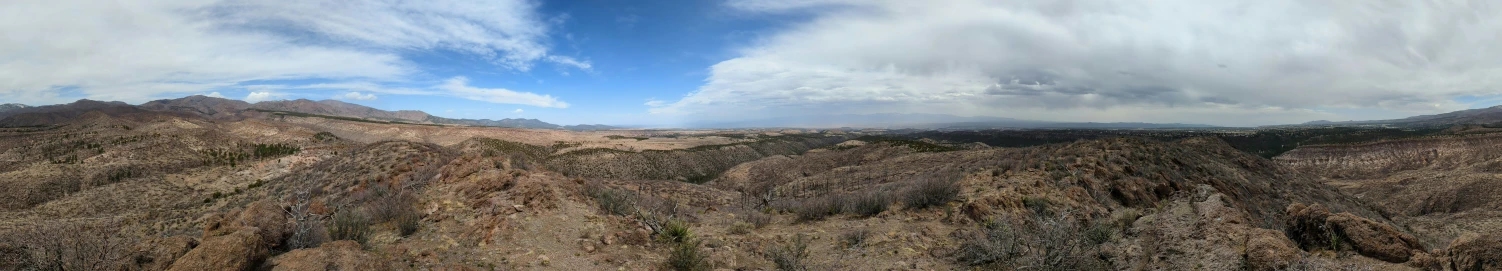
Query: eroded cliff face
1439	187
1377	159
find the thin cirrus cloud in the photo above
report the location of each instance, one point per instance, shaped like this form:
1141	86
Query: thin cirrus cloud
1216	62
140	50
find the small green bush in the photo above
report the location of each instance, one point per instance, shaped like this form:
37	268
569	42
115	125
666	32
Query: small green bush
676	231
687	256
349	225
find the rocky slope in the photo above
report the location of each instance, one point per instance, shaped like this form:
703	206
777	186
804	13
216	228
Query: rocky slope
193	192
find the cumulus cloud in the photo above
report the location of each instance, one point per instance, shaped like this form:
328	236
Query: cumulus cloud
518	110
259	96
356	96
1258	62
215	95
140	50
459	87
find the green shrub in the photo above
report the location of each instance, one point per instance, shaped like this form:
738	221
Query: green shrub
1099	234
349	225
687	256
676	231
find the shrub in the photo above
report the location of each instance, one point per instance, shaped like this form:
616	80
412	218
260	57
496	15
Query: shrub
612	201
350	225
398	209
758	219
676	231
1039	206
64	246
739	228
686	256
855	238
1099	234
931	191
1050	243
816	208
867	204
790	256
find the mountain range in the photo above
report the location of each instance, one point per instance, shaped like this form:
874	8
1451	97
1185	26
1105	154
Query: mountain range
227	109
1479	116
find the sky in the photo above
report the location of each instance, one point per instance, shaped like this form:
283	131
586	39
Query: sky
684	62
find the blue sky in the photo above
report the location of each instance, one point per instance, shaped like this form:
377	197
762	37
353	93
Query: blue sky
676	63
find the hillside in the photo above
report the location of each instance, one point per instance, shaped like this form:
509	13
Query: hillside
173	190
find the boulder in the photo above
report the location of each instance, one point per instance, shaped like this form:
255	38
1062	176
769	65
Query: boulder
1476	252
241	250
1314	227
337	255
1270	250
264	215
158	253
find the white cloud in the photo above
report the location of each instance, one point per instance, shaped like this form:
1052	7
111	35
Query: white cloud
136	51
356	96
1099	60
259	96
459	87
518	110
215	95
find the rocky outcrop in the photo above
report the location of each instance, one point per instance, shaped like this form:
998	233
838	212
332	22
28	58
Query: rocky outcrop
337	255
241	250
1476	252
1204	231
1314	228
269	220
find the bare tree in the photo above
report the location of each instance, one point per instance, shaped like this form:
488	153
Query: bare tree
62	245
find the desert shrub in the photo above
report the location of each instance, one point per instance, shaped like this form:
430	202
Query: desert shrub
612	201
867	204
1039	206
739	228
758	219
407	223
349	225
1099	234
931	191
791	256
816	208
675	231
56	245
855	238
1124	218
687	256
1047	244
